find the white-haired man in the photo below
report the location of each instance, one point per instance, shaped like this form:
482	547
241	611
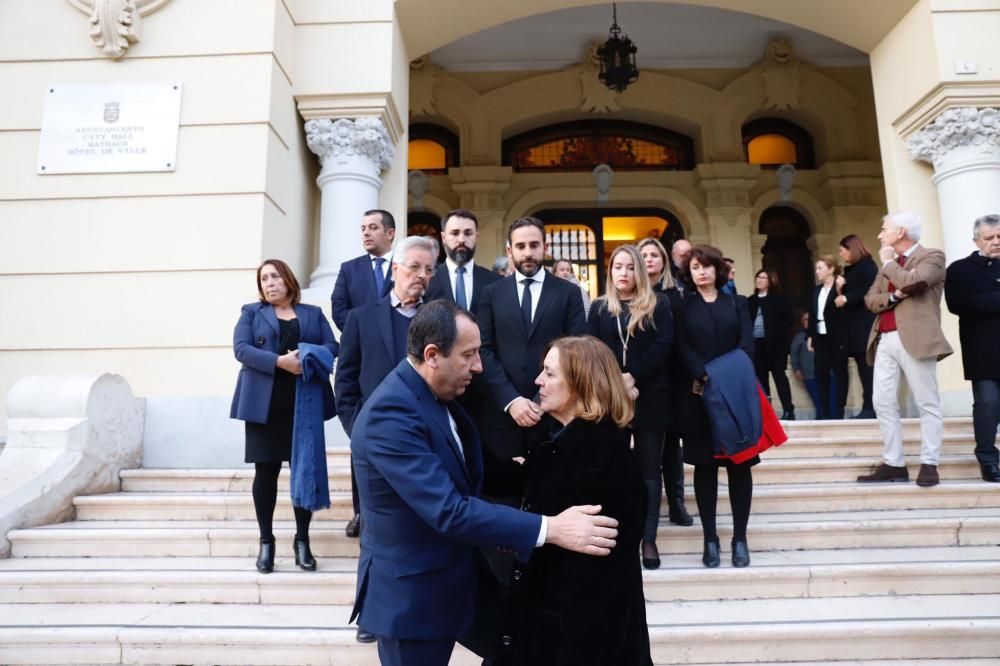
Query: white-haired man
907	338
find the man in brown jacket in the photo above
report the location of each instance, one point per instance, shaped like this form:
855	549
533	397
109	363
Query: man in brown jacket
907	338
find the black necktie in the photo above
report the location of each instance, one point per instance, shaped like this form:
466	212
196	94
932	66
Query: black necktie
526	303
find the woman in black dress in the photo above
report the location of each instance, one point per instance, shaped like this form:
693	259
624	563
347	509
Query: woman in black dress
266	341
654	255
772	319
828	339
713	323
567	609
635	323
859	274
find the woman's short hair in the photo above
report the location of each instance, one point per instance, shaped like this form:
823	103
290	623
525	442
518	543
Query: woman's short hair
592	374
294	291
707	256
773	282
666	280
855	247
830	261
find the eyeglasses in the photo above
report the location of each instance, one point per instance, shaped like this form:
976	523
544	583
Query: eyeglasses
417	269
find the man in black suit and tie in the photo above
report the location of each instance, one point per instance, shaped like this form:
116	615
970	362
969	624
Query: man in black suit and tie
365	279
458	279
373	342
518	316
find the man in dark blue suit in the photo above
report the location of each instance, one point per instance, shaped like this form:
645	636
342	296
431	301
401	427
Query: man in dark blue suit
365	279
518	316
374	340
419	466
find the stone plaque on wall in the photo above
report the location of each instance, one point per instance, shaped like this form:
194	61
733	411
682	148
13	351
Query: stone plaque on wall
109	128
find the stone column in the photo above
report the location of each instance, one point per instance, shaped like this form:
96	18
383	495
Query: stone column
353	154
963	144
730	216
481	189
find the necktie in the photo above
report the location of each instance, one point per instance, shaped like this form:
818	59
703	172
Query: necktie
379	276
460	288
526	303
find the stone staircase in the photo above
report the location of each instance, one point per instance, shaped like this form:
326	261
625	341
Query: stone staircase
162	572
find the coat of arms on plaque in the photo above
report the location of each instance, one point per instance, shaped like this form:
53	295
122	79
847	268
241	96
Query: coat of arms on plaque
111	112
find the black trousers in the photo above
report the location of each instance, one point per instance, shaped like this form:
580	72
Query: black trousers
649	454
831	360
866	374
765	365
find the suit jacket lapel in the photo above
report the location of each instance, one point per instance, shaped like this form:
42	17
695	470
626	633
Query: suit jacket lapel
543	303
267	310
443	276
477	287
383	315
470	444
514	305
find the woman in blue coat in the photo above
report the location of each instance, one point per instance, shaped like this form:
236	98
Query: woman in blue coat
266	341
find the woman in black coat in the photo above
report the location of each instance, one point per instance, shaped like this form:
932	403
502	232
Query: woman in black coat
654	255
266	342
828	339
713	324
636	324
568	609
860	272
772	319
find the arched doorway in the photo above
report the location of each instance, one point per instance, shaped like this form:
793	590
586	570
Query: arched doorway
587	236
786	253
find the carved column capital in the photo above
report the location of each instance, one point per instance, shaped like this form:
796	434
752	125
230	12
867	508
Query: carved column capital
958	136
364	142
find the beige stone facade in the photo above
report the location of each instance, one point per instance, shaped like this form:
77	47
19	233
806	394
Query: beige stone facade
142	274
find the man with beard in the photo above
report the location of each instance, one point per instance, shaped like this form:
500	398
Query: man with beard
374	342
462	281
518	316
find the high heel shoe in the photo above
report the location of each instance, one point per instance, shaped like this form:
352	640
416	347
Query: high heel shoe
711	557
650	555
303	556
265	558
741	554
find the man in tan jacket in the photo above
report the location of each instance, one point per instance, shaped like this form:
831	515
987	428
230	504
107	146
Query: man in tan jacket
907	338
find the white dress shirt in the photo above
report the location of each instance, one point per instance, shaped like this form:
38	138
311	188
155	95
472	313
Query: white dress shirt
824	293
385	264
536	288
453	276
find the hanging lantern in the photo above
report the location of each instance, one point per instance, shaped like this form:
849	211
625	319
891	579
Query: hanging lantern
617	57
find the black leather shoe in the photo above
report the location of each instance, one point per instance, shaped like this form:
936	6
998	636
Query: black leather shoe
710	557
991	473
303	556
650	555
353	528
741	554
864	414
788	415
678	514
364	637
265	558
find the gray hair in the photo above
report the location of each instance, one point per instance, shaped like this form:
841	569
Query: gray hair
909	221
500	264
991	220
413	243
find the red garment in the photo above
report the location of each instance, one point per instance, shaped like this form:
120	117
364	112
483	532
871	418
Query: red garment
887	320
772	434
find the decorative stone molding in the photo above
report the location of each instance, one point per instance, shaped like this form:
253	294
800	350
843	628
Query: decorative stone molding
785	177
960	134
597	97
423	78
417	187
603	175
481	196
341	141
781	74
116	23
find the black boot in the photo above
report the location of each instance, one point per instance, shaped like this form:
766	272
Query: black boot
673	482
711	557
265	558
303	556
741	554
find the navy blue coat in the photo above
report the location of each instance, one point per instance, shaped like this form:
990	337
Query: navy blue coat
355	287
417	575
255	344
366	356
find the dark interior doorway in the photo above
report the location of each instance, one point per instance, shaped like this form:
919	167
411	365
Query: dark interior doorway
787	253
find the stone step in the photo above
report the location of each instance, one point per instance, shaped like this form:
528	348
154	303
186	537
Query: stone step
958	425
776	470
779	574
785	498
826	530
772	630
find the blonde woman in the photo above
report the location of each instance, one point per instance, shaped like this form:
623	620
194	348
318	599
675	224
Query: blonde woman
567	608
636	324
